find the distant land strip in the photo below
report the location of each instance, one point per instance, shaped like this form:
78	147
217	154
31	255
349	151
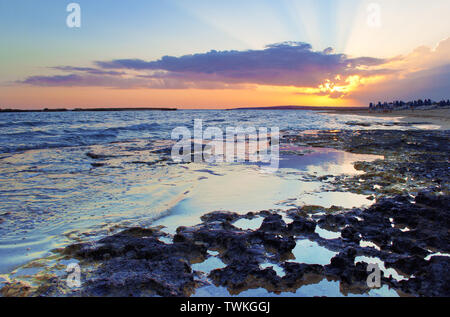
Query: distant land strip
88	109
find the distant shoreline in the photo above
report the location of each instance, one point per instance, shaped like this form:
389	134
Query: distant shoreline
87	109
346	109
175	109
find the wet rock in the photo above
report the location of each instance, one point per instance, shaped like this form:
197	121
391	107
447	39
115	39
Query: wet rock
350	234
343	259
98	164
135	263
220	216
239	278
96	156
406	264
432	199
216	235
301	225
431	279
357	123
273	223
333	222
298	274
16	289
274	243
342	267
125	276
406	246
239	250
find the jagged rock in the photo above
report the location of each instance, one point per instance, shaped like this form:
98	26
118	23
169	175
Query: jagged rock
301	225
273	223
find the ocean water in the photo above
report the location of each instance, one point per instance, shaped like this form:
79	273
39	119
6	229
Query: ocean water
52	193
27	131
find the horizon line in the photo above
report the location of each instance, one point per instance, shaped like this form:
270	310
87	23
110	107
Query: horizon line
169	108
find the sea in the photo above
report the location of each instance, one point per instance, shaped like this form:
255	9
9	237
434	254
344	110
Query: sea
67	177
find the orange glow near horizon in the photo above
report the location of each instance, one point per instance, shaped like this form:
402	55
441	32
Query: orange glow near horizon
26	97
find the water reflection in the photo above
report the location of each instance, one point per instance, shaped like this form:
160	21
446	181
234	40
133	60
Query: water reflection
322	288
310	252
249	224
55	197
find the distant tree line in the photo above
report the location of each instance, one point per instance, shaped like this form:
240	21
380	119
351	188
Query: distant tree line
402	105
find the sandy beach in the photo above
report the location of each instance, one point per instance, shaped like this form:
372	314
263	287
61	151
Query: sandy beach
440	117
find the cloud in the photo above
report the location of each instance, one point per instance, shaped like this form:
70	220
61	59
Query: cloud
423	73
88	70
57	80
106	79
282	64
89	79
293	64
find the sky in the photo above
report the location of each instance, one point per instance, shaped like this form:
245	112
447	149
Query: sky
222	54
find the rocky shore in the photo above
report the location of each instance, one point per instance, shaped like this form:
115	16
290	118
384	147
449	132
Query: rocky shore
406	231
438	117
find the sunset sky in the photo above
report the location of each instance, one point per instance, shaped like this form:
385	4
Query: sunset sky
221	54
